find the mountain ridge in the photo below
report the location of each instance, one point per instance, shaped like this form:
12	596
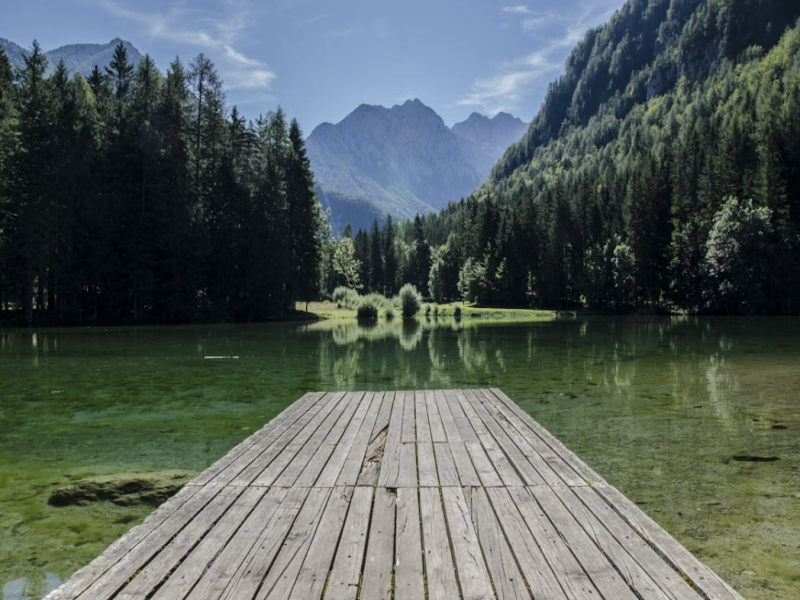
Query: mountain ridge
78	58
403	160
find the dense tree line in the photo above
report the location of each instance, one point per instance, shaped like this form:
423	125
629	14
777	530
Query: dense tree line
662	173
133	195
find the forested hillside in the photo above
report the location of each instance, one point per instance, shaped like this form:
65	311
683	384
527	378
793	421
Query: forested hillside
132	196
662	172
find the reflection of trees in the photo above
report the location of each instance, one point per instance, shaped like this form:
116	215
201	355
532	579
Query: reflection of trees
682	362
393	354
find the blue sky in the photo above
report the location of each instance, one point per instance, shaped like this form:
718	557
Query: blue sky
320	59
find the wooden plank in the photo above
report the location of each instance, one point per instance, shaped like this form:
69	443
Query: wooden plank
269	464
507	579
423	426
505	470
408	544
139	555
409	431
483	466
407	476
88	574
382	420
275	427
276	505
573	579
445	465
702	577
245	468
532	563
390	466
597	566
355	456
302	449
448	422
466	471
454	399
377	582
346	572
470	567
185	577
313	575
636	562
426	464
340	435
240	569
439	569
434	418
370	467
548	446
553	468
529	470
276	580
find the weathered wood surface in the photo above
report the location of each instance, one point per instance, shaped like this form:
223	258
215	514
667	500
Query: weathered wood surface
446	494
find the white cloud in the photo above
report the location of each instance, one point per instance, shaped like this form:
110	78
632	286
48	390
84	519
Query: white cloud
520	9
311	20
514	81
215	32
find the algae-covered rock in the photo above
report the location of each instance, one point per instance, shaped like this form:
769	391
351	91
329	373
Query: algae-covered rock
123	489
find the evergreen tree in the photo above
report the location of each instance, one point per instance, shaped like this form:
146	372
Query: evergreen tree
306	221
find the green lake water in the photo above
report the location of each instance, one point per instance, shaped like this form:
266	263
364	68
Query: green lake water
659	407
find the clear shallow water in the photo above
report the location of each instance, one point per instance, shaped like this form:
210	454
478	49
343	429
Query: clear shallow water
659	407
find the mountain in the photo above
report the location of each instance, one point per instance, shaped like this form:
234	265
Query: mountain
661	172
490	137
402	160
80	58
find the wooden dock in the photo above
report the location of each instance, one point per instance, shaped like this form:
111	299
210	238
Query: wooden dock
454	494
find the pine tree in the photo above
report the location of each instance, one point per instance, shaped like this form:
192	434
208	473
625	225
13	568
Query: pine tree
31	225
305	219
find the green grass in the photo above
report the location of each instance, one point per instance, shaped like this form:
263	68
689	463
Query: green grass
471	311
331	311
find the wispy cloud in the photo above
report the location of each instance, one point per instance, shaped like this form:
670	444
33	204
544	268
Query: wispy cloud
217	32
311	20
514	80
520	9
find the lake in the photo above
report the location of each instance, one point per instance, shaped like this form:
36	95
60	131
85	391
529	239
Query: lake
674	412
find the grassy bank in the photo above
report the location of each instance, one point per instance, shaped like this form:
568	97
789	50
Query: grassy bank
328	310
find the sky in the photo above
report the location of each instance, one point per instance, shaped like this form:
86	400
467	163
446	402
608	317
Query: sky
320	59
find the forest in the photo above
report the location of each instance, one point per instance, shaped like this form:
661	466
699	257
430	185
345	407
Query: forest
661	174
133	196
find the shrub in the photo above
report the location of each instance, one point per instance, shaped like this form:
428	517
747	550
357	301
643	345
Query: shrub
368	309
410	300
389	312
457	312
344	296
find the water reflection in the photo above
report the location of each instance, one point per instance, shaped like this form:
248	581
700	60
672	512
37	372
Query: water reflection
657	406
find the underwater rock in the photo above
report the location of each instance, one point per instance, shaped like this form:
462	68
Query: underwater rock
745	458
123	489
